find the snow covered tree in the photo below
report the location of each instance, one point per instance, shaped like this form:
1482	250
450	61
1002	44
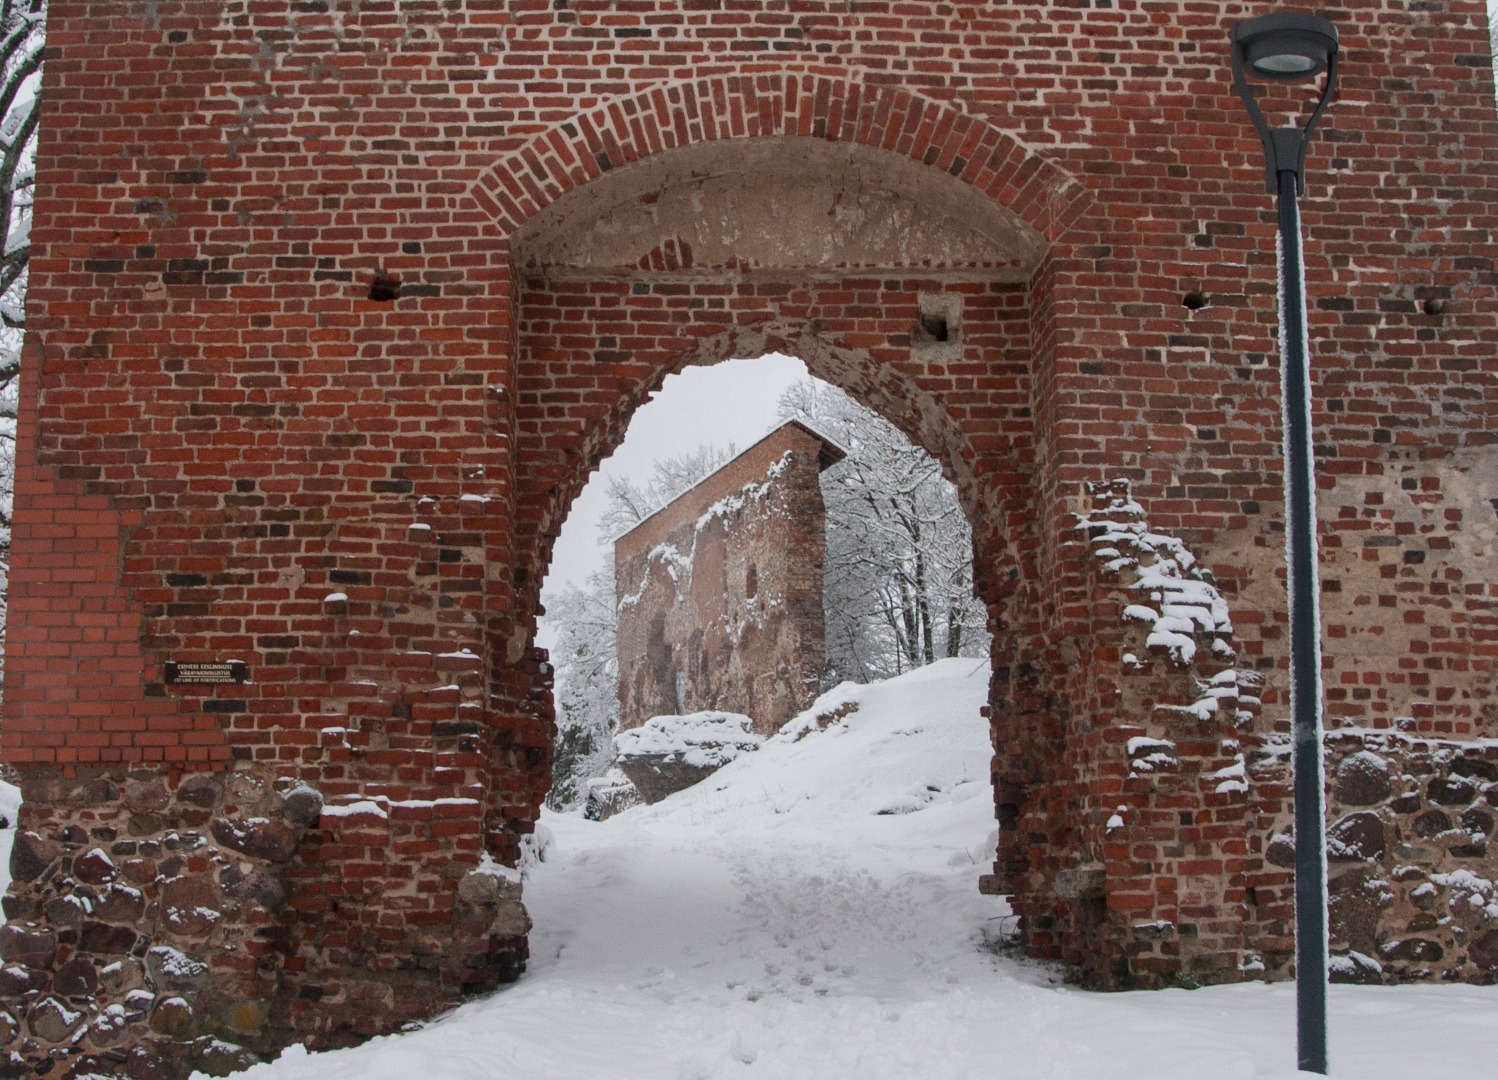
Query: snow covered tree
898	580
1493	36
630	503
585	657
22	34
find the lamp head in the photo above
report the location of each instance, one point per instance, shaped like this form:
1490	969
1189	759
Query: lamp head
1287	46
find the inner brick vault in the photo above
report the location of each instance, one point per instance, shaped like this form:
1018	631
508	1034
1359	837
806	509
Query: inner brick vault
336	305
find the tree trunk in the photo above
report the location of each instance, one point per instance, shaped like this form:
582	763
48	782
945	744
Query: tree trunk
954	630
923	606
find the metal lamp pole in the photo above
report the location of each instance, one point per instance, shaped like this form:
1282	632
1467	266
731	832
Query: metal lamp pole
1296	47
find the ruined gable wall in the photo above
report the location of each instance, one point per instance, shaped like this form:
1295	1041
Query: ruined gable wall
720	592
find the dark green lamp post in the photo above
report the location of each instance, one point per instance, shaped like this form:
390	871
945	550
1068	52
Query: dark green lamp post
1297	47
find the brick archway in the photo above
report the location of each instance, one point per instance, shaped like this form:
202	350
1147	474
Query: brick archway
714	122
613	293
234	447
730	112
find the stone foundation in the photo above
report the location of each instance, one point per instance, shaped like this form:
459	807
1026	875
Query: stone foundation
1413	876
159	925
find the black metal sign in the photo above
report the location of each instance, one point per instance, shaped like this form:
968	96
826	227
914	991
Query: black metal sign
211	673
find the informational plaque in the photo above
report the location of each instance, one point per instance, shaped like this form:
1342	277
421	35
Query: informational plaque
206	673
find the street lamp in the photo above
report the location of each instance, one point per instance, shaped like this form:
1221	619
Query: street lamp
1296	47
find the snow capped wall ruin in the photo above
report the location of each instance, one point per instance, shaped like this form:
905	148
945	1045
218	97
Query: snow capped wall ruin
720	591
1410	816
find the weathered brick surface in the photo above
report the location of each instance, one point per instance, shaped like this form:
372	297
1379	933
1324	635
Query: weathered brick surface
720	591
229	421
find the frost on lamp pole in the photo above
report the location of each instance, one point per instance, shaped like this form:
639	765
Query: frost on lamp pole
1294	47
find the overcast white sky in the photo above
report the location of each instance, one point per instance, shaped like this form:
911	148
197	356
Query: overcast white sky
732	402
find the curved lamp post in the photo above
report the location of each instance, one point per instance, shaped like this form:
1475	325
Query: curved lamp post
1295	47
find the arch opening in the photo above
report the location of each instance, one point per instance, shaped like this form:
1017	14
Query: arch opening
829	541
671	671
624	281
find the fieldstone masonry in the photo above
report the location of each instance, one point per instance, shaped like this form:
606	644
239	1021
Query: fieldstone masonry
336	304
720	591
1412	891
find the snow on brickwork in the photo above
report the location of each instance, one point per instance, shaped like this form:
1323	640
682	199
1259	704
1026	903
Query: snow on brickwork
1175	599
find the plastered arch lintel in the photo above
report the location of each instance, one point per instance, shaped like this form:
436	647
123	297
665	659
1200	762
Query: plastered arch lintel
810	105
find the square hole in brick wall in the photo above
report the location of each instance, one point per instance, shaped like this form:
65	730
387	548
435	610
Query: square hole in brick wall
938	330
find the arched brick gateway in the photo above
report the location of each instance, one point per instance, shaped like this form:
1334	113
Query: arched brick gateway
980	219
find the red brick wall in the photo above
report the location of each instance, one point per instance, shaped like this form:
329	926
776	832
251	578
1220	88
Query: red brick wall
223	429
730	575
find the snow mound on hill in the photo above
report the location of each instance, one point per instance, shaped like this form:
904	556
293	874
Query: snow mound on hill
856	752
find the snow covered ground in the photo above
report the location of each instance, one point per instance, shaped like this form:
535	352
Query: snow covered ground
10	804
811	911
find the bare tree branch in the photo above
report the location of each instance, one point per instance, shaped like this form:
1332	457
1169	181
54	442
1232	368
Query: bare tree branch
22	36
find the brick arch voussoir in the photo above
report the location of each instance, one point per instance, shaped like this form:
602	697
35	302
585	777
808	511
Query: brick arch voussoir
768	104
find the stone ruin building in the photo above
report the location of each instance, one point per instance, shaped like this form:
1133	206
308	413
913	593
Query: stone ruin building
335	306
720	591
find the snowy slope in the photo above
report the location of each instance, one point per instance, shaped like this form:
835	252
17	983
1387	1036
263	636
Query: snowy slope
10	805
811	911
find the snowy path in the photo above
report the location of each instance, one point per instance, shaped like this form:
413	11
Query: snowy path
772	923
